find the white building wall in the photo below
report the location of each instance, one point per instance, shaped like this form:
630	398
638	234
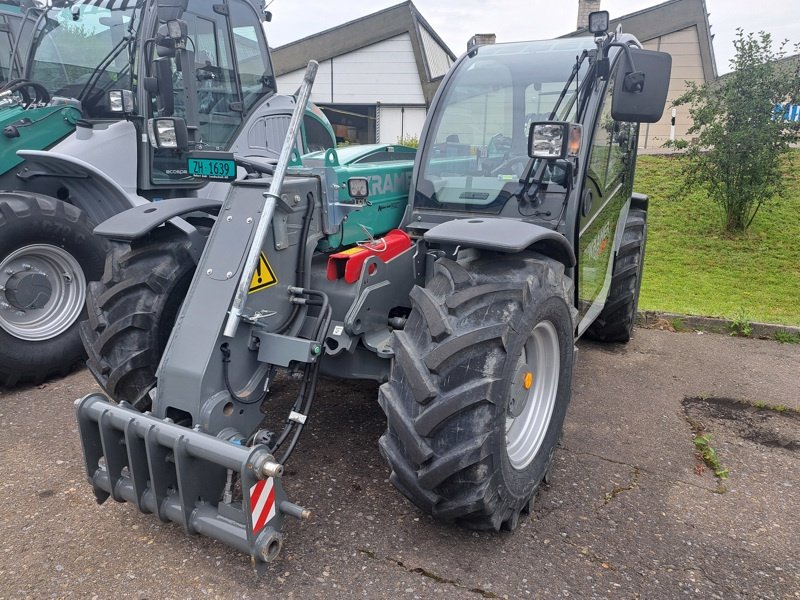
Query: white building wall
320	93
385	72
395	122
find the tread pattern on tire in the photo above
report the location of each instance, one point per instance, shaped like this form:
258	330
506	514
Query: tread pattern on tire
615	322
132	310
448	367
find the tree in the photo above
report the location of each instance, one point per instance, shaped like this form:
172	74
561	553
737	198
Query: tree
742	128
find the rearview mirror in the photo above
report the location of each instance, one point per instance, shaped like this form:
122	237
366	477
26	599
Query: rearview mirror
641	85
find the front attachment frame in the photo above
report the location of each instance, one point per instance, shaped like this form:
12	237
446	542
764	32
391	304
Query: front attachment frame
185	476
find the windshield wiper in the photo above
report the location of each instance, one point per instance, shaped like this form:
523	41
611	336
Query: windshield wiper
573	76
112	55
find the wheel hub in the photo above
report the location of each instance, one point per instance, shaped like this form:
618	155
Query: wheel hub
28	290
523	381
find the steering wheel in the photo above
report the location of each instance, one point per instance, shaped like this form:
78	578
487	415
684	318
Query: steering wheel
24	87
508	162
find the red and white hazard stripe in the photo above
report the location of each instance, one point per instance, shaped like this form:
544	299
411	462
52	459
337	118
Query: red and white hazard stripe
262	504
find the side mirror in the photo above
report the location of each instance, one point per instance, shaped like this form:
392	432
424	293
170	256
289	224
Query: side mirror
553	140
161	86
641	85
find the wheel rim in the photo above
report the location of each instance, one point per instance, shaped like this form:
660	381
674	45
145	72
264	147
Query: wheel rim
533	395
42	292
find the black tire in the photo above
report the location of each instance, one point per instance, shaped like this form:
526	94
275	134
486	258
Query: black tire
132	311
448	395
47	255
618	317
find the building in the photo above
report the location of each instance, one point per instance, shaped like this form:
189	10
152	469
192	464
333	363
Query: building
681	28
377	74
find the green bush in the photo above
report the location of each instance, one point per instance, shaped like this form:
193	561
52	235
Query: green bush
741	130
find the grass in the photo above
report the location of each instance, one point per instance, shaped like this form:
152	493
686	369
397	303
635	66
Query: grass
709	455
786	337
693	268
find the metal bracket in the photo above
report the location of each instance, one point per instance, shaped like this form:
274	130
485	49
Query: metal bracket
281	350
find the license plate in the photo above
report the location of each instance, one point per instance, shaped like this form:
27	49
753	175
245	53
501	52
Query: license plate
205	167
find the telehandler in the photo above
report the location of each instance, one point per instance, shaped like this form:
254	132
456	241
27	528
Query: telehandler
519	233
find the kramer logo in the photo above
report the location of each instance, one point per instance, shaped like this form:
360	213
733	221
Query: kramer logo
388	184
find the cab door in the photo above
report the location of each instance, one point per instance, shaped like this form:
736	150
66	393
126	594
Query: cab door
605	192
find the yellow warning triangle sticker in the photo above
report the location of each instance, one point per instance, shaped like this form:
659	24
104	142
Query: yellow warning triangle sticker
264	276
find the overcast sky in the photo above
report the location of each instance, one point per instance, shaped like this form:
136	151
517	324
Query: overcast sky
457	20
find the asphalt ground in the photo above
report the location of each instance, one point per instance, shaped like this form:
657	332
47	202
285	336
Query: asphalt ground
630	512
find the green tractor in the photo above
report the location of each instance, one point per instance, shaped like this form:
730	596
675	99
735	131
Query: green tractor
80	83
519	233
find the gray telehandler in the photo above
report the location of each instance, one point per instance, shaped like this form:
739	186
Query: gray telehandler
520	232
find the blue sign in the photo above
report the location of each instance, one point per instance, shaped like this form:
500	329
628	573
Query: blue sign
791	112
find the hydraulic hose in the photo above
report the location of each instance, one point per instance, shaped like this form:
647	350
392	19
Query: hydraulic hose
311	392
226	359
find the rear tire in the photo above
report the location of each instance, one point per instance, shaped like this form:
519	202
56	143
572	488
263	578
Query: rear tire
47	254
617	319
132	311
467	441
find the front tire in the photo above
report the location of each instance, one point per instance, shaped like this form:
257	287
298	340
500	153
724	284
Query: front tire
132	311
479	388
48	253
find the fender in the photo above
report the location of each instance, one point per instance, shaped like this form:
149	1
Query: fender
137	222
503	235
636	200
91	190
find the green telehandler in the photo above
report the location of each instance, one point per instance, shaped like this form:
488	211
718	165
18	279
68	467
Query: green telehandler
519	233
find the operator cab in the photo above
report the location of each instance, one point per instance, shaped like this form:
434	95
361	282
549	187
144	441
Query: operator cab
476	148
204	65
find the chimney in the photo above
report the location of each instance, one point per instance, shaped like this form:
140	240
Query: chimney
480	39
584	8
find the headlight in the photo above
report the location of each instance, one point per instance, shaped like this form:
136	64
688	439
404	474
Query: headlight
169	133
358	188
120	101
552	140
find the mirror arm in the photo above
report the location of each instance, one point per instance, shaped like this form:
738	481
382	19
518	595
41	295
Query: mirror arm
626	48
531	179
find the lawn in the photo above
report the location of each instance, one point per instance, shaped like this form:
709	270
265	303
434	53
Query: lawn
693	268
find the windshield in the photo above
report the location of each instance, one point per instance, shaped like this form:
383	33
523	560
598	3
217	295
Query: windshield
6	41
5	56
82	53
477	148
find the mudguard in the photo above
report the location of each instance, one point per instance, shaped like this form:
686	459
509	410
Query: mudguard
502	235
140	220
91	190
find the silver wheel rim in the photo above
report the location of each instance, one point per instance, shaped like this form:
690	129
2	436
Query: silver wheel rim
526	425
42	292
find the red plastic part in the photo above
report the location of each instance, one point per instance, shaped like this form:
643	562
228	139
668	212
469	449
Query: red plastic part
348	263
